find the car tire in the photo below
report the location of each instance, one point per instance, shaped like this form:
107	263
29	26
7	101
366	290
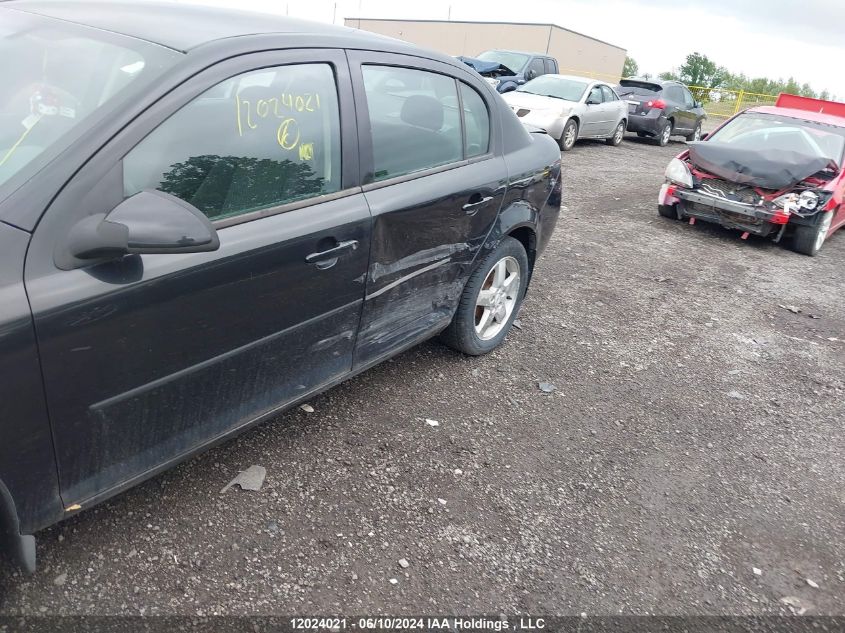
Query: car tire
696	133
480	324
667	211
808	240
568	136
618	135
664	134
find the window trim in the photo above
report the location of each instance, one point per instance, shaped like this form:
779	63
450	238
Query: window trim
267	212
464	123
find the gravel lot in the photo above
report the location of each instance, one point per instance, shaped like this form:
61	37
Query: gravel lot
694	434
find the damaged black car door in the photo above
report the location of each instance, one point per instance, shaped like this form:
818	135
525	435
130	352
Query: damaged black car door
151	355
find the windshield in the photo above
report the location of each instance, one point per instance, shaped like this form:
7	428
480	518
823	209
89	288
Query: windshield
55	75
755	131
514	61
557	87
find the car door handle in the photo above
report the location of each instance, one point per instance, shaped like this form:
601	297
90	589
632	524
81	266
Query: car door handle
472	207
331	253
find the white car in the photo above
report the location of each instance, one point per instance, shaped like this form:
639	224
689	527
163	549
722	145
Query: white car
570	108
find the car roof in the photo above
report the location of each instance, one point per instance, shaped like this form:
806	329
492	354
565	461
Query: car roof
806	115
588	80
508	50
180	26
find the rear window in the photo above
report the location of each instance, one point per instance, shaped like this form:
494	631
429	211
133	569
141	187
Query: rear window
643	88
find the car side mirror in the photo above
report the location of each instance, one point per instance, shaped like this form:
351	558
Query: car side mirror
148	222
530	74
697	104
703	136
591	101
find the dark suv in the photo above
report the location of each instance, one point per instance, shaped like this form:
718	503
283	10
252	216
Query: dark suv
661	109
507	70
201	227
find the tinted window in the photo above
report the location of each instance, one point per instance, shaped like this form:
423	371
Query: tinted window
255	141
414	119
675	94
608	94
641	88
537	66
688	100
477	121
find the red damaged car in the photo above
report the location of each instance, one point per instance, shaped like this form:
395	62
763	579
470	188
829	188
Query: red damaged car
771	171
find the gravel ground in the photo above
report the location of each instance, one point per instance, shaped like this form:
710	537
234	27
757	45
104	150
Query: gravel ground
694	434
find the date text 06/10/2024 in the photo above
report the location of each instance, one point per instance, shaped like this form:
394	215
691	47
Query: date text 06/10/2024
386	623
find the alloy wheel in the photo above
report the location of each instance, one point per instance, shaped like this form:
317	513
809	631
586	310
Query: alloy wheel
569	136
497	298
620	132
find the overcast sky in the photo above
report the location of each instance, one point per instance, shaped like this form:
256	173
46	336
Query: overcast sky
773	38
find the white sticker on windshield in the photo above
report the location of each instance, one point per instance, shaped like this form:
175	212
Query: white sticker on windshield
69	113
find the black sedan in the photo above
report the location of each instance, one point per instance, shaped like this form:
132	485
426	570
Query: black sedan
200	227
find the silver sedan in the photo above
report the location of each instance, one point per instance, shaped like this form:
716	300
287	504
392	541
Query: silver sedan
570	108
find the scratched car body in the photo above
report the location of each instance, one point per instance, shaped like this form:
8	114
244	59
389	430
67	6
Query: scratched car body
201	227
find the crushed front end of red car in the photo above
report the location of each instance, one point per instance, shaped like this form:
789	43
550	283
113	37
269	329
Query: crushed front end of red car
766	171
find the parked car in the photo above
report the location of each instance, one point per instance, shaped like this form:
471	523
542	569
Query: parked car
507	70
771	171
661	109
200	227
569	108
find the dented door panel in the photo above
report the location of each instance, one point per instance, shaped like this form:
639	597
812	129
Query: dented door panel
424	244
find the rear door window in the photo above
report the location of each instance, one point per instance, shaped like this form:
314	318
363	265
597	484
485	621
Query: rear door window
675	94
414	118
550	66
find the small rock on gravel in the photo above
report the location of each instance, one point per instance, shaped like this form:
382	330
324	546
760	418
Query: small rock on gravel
404	564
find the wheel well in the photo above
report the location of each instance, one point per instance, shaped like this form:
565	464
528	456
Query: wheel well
577	120
20	548
528	239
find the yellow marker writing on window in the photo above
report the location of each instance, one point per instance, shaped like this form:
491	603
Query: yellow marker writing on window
306	151
288	133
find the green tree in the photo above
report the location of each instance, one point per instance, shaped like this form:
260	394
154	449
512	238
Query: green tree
700	70
631	67
668	75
